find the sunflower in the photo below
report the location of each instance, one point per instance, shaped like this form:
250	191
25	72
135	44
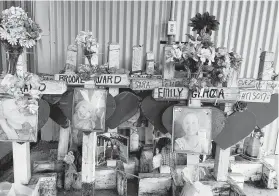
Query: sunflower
205	20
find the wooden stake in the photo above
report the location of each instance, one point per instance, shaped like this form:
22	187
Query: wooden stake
21	151
21	160
168	67
114	62
193	159
222	157
63	142
266	70
89	145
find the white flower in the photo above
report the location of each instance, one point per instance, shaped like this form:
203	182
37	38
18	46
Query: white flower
206	54
35	93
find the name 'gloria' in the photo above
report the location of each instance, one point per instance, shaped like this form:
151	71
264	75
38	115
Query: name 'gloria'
210	93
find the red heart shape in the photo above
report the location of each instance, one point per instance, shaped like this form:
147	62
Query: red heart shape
153	111
238	126
127	105
265	113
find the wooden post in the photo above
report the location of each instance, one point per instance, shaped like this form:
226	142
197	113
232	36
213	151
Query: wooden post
266	70
63	145
89	144
150	63
64	134
114	62
168	66
137	58
21	151
21	161
222	157
193	159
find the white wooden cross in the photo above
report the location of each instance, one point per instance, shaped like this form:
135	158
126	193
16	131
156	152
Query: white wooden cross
21	150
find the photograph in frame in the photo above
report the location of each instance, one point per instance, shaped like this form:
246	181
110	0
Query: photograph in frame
89	109
18	119
112	146
191	131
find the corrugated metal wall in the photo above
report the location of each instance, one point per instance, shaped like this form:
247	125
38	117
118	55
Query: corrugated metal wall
248	27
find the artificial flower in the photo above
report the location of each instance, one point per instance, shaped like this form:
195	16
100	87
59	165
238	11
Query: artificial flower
17	30
205	20
206	54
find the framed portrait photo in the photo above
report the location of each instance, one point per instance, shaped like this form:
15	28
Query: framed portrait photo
18	119
191	130
89	109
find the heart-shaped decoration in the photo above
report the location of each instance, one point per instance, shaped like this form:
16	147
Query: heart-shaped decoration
218	121
127	105
265	113
153	111
167	117
111	106
238	126
131	122
43	113
66	103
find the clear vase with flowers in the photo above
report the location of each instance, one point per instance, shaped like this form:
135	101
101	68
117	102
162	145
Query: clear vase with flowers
17	32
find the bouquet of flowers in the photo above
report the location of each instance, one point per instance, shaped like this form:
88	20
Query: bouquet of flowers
17	31
204	64
89	44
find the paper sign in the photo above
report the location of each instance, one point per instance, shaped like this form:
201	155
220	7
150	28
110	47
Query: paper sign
221	94
46	76
70	79
48	87
146	76
170	93
267	85
173	83
246	82
120	80
145	84
53	87
255	96
258	84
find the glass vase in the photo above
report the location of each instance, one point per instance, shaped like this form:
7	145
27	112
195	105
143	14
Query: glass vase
12	58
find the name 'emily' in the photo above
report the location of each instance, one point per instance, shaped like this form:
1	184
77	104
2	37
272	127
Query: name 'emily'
209	93
169	92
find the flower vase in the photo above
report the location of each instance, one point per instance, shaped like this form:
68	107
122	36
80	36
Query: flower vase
12	57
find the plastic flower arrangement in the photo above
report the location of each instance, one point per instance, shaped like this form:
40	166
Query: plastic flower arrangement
17	32
204	64
89	44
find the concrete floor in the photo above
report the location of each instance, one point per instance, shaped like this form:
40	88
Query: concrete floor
42	152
